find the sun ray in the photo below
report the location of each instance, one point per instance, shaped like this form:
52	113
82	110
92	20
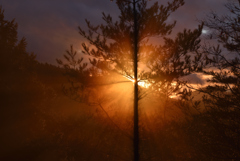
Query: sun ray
141	83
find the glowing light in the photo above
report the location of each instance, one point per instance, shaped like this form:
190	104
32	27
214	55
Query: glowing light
141	83
144	84
173	95
204	31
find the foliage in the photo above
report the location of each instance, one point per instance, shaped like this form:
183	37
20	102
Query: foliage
216	131
14	59
110	47
224	91
226	30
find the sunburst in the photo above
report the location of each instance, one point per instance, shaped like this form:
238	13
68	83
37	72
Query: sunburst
141	83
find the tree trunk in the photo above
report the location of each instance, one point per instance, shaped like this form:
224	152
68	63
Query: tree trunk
136	128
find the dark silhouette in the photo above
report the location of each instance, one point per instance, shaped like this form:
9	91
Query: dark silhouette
218	129
134	59
120	46
136	97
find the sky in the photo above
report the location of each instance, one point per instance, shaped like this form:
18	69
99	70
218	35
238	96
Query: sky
51	26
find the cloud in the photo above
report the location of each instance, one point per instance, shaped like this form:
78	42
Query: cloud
51	26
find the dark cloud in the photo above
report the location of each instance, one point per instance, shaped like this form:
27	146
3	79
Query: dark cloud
50	26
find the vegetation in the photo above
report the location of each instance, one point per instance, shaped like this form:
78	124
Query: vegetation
218	128
38	121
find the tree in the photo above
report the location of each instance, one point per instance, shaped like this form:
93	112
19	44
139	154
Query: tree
13	52
218	128
119	47
16	63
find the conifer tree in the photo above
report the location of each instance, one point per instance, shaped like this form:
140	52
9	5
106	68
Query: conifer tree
220	124
120	46
224	57
14	59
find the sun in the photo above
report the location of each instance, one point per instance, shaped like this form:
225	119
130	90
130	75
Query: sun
144	84
141	83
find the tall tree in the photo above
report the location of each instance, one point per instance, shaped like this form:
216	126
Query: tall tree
119	47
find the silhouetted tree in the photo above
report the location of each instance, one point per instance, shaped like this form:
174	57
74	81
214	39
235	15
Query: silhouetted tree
218	129
13	54
121	46
20	91
224	58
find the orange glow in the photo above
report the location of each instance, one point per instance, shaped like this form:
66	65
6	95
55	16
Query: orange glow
141	83
173	96
144	84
